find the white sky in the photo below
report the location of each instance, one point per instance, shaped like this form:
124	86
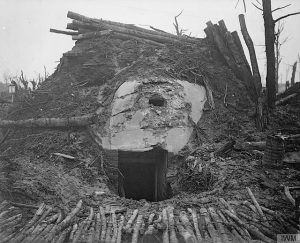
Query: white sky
27	44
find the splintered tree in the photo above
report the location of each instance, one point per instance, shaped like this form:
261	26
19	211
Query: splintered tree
278	44
293	74
269	24
179	31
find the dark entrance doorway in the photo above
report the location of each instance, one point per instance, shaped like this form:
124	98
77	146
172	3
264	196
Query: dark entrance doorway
143	174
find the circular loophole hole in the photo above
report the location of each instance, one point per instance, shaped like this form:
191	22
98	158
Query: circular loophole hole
157	100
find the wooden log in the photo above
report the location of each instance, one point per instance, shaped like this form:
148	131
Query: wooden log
289	196
22	234
226	205
173	238
165	235
238	43
91	35
79	121
256	204
73	232
64	32
127	228
91	234
264	228
214	235
62	237
103	225
222	27
219	225
115	227
196	224
233	230
131	37
21	205
136	229
250	206
108	230
98	227
120	227
186	235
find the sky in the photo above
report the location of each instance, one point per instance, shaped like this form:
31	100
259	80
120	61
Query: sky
26	43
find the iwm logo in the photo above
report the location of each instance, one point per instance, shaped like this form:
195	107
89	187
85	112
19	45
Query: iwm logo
288	238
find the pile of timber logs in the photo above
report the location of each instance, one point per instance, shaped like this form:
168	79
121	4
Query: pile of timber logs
230	47
86	28
203	223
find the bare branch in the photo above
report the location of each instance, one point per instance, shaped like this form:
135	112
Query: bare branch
179	14
237	3
258	2
158	30
285	16
281	7
244	5
176	25
257	7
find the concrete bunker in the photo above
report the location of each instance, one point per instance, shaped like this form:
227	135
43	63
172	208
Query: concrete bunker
150	118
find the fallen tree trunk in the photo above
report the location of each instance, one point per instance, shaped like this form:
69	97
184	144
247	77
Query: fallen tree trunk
79	121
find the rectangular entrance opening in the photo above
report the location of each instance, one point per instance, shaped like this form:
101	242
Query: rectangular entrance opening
143	174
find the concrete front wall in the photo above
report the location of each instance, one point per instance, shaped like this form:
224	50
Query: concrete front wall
137	125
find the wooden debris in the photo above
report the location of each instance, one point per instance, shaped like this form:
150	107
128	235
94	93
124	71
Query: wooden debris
136	229
120	227
97	227
218	223
109	230
173	238
73	232
115	227
127	228
66	156
252	229
186	235
91	35
257	206
103	225
64	32
165	235
289	196
250	206
210	227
